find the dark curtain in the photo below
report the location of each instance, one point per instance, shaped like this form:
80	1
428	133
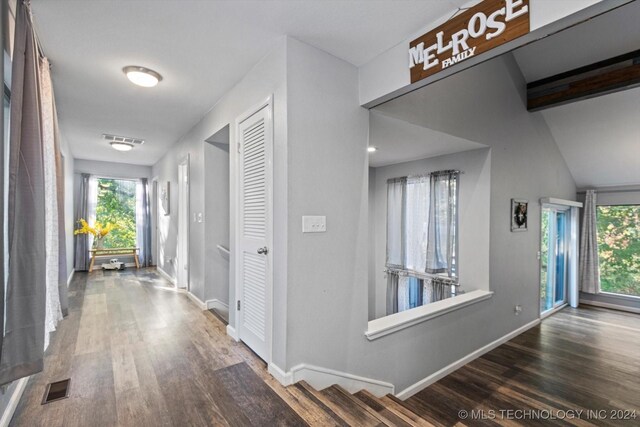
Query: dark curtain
23	344
145	240
81	260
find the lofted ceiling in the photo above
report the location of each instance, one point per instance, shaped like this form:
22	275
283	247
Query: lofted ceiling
599	137
201	48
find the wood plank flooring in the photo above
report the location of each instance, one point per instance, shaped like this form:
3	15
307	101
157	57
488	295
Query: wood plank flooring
140	354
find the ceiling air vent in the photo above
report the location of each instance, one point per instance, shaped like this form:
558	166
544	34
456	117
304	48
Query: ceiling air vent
126	139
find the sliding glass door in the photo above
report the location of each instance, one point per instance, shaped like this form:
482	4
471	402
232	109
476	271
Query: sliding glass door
554	257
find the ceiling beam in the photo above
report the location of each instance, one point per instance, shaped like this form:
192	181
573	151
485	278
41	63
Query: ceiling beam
601	78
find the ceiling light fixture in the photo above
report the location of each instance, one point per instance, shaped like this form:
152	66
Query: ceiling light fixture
372	149
121	146
142	76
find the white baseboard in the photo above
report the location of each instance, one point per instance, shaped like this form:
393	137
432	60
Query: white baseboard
13	402
283	377
197	301
216	304
231	331
609	305
426	382
70	278
321	378
166	275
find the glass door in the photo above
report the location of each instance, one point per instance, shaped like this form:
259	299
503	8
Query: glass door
554	255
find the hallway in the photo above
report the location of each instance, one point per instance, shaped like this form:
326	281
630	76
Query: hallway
140	354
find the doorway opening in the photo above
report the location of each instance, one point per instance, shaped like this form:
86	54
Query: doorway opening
558	253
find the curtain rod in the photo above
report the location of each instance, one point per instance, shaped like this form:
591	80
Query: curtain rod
612	191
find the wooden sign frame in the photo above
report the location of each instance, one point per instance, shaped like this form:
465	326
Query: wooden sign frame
479	29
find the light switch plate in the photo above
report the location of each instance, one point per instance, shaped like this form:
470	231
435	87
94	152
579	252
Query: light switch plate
314	224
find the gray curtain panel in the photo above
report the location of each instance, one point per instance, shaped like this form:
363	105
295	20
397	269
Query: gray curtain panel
81	247
589	262
442	222
23	344
145	246
392	293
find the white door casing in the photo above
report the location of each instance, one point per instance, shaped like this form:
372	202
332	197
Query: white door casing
182	264
253	250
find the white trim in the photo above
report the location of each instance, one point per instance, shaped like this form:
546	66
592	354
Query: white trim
231	331
395	322
197	301
634	298
166	275
216	304
284	378
426	382
609	305
320	378
560	202
13	402
70	278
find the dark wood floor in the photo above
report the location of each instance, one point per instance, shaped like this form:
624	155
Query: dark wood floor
140	354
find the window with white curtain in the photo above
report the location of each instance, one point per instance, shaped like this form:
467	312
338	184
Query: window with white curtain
422	233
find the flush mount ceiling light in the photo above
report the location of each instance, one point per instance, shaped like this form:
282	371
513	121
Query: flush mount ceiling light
142	76
121	146
372	149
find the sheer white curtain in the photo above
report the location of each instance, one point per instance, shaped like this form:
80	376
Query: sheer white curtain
143	222
589	259
53	311
396	196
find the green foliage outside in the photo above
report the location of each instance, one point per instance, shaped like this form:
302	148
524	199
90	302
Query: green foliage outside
544	259
619	248
117	205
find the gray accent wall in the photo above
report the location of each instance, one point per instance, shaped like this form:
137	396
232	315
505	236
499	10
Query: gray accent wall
328	175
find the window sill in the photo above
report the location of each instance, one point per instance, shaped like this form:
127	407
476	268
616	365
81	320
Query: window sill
621	296
393	323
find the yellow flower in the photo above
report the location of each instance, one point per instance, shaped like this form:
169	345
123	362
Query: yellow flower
97	230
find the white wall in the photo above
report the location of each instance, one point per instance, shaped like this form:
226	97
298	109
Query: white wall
111	169
268	77
387	75
473	208
69	207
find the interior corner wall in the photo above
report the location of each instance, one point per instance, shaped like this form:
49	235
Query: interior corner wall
328	176
69	208
266	78
217	232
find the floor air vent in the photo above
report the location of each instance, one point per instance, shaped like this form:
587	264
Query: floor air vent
57	391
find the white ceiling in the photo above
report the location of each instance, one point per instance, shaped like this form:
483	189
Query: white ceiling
599	137
202	49
398	141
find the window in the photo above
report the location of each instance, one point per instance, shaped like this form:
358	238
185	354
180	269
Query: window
619	248
116	204
422	233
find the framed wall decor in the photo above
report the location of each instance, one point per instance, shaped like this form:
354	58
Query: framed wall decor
165	198
519	214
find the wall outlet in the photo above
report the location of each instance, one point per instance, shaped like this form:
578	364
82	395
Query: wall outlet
518	309
314	224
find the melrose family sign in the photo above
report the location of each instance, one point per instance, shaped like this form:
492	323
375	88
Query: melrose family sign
480	28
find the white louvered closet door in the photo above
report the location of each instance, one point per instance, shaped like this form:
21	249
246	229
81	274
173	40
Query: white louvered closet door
254	255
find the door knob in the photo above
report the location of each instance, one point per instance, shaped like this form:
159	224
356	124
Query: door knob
263	251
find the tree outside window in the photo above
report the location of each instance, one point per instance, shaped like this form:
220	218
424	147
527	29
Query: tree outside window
117	205
619	249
